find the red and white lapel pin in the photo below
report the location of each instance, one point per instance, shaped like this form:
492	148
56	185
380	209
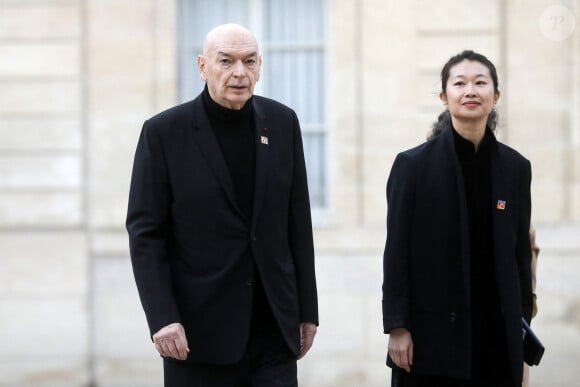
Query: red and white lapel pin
264	139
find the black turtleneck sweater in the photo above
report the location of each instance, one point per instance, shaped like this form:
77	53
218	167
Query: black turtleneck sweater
235	133
490	358
234	130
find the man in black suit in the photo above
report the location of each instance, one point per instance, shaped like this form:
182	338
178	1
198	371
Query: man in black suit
220	230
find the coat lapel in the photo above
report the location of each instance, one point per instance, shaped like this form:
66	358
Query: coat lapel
264	142
464	238
209	147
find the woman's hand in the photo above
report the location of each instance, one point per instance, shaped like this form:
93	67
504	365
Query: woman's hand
401	348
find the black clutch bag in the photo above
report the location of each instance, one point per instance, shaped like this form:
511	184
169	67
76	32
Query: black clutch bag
533	347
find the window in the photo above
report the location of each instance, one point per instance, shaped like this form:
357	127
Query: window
292	38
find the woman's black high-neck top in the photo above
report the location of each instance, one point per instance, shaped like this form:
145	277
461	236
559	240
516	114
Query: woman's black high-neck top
490	357
234	130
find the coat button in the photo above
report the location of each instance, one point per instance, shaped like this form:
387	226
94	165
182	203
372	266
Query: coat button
452	317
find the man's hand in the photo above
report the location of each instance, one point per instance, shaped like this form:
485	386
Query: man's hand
170	341
401	348
307	333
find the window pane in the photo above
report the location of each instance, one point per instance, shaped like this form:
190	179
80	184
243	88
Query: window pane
315	155
296	78
294	63
297	20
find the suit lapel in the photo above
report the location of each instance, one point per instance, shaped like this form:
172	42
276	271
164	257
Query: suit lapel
264	138
209	147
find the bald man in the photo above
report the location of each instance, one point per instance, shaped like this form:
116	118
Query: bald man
220	230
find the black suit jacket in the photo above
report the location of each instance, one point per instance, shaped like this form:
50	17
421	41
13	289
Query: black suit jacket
426	285
189	238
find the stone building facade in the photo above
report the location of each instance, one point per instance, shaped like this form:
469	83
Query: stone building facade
77	79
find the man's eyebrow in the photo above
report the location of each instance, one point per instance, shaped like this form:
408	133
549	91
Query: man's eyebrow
223	53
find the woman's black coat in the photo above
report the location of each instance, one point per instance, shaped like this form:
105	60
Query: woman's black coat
426	285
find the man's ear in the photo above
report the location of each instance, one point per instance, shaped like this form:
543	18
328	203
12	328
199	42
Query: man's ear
259	67
201	67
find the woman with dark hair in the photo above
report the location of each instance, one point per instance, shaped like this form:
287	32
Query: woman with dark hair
457	257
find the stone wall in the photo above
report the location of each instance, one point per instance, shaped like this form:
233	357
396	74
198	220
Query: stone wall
44	258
